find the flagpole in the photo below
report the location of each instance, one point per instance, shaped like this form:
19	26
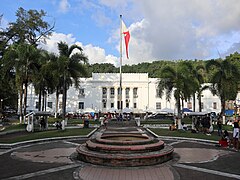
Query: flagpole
120	64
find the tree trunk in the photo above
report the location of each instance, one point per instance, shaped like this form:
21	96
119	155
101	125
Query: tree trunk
21	104
64	98
194	103
182	103
25	98
43	95
179	107
57	98
39	99
45	100
200	103
222	106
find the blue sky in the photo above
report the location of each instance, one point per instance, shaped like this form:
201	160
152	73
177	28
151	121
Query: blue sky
160	29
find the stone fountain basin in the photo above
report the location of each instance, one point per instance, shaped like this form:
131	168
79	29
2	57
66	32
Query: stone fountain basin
125	139
124	148
122	159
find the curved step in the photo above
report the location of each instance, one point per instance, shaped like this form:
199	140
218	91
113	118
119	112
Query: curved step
121	159
109	148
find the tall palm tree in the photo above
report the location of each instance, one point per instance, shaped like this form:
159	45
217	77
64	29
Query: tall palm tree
224	77
197	81
175	80
44	80
199	96
22	59
72	68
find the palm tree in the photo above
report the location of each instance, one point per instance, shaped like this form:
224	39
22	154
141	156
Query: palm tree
175	80
197	81
224	77
199	96
44	80
72	68
22	59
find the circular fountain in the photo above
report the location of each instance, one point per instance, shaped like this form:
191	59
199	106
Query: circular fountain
124	146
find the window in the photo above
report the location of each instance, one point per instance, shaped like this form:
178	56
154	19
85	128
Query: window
36	105
60	105
118	105
127	92
81	105
157	93
202	105
119	91
49	104
189	105
112	105
134	105
112	92
158	105
127	104
135	92
214	105
104	92
104	104
81	93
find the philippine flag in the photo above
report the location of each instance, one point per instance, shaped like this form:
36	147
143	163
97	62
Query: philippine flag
126	34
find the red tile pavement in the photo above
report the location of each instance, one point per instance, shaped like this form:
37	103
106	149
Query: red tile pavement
142	173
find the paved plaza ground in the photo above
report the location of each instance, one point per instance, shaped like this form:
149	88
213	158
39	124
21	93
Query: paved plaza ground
56	160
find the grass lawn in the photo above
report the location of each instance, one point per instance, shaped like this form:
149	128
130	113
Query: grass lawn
187	134
15	127
151	121
52	120
24	136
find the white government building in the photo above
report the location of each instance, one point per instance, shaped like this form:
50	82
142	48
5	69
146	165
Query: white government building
101	93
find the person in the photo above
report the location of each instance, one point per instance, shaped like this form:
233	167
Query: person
197	123
172	127
219	125
226	135
235	135
224	141
58	125
184	126
105	121
42	124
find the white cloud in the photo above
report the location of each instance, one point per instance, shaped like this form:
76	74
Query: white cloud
98	55
163	29
52	43
64	6
94	54
183	29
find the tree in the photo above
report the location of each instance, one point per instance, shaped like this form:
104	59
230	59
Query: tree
199	96
29	27
224	76
175	79
73	66
23	36
22	59
44	80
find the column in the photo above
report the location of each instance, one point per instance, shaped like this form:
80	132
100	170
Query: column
124	97
115	96
131	98
108	105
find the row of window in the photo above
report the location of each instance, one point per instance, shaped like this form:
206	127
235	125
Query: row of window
189	105
112	92
104	105
158	105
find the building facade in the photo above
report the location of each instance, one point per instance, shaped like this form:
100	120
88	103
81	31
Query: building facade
101	92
